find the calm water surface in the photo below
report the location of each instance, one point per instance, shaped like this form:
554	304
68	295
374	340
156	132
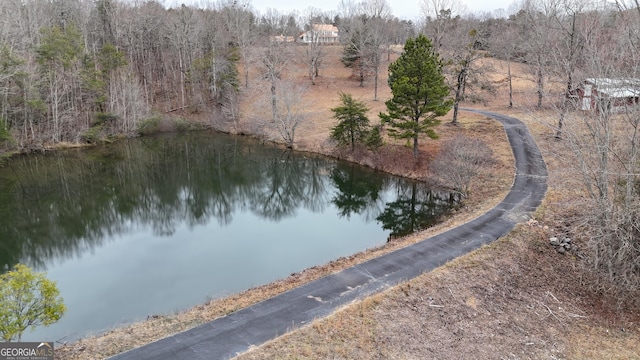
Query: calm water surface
159	224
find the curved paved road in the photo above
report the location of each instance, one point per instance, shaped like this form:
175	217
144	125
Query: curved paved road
230	335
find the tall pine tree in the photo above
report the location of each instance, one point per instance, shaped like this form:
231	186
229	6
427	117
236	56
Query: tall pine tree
419	92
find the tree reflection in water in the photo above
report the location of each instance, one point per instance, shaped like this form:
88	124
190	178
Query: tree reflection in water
416	205
63	204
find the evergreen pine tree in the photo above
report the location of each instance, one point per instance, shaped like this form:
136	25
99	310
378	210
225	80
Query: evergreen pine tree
419	92
353	123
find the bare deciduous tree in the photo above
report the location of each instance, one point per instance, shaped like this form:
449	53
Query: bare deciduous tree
274	60
600	150
466	68
459	161
534	21
127	102
506	46
315	49
566	49
440	16
290	112
287	115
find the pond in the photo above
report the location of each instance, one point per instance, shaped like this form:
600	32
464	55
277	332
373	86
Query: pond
156	225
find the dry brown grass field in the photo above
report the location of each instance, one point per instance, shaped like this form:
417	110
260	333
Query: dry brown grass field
517	298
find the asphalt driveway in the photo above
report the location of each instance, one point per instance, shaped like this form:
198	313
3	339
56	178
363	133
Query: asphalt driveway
233	334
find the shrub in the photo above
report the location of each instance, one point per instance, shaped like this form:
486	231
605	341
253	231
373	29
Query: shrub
6	140
149	125
459	161
27	299
93	134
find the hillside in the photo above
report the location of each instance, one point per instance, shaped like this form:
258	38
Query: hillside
516	298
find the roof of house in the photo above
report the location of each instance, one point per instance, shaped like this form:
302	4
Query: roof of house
324	28
617	88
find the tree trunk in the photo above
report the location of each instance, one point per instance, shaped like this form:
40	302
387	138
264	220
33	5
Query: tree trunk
375	87
274	104
565	100
182	82
353	139
456	104
312	73
539	83
246	72
510	83
459	89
